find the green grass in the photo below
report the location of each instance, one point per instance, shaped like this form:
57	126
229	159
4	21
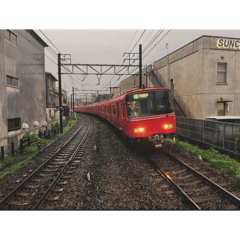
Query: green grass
212	156
105	133
19	161
97	121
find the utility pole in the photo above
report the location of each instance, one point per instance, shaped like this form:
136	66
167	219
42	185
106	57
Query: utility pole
146	76
140	65
110	88
86	99
60	91
71	102
73	98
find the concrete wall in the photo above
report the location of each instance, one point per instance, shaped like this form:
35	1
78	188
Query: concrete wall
132	82
25	62
3	92
213	91
194	69
187	75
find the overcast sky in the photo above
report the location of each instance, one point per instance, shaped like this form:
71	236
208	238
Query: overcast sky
107	47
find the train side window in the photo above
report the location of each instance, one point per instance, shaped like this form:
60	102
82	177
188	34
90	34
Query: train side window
121	111
114	110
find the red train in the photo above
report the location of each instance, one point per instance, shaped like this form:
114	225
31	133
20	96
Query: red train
145	114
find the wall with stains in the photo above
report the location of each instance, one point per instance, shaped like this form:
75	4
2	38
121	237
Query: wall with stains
24	61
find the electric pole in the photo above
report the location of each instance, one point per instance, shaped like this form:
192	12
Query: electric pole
110	88
140	65
60	91
73	99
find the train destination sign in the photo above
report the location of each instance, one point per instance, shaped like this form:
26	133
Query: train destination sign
228	43
143	95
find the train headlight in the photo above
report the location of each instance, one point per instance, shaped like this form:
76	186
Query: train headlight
138	130
168	126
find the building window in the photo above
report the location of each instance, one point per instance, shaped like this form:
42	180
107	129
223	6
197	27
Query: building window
114	110
11	36
14	124
221	72
7	35
11	81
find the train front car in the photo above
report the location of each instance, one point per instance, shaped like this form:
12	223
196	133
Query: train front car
150	116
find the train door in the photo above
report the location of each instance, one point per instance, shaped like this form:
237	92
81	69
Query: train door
118	110
120	116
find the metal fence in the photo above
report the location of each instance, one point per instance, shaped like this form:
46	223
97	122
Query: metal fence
214	133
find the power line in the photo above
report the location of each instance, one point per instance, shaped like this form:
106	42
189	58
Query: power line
49	41
147	37
131	41
156	44
71	78
149	51
138	39
122	56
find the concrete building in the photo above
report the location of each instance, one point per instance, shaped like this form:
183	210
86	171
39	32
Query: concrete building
203	76
50	96
57	97
115	90
22	84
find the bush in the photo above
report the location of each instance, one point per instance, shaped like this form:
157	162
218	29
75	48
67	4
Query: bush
66	111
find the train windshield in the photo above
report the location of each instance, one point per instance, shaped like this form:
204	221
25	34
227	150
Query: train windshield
148	104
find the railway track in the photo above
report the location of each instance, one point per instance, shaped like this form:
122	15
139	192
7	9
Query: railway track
48	180
195	188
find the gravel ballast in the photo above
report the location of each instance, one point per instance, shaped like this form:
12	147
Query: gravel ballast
115	177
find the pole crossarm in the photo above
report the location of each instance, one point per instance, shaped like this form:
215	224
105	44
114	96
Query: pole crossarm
98	69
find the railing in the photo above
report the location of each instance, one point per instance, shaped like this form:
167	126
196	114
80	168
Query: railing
20	144
13	146
179	104
214	133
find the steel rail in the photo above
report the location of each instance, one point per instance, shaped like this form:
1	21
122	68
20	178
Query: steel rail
226	193
168	178
28	179
46	194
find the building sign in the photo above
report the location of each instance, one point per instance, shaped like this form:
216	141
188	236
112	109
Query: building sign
220	106
228	44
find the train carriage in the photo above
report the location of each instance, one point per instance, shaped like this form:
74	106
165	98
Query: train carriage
145	114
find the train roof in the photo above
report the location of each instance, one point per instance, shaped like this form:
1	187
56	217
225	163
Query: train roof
126	92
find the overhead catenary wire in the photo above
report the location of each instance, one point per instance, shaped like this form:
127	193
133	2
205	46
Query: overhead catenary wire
148	52
131	50
149	44
69	75
138	40
122	56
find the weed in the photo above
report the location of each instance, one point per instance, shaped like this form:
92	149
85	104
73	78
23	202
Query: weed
237	143
215	159
97	121
106	134
19	161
